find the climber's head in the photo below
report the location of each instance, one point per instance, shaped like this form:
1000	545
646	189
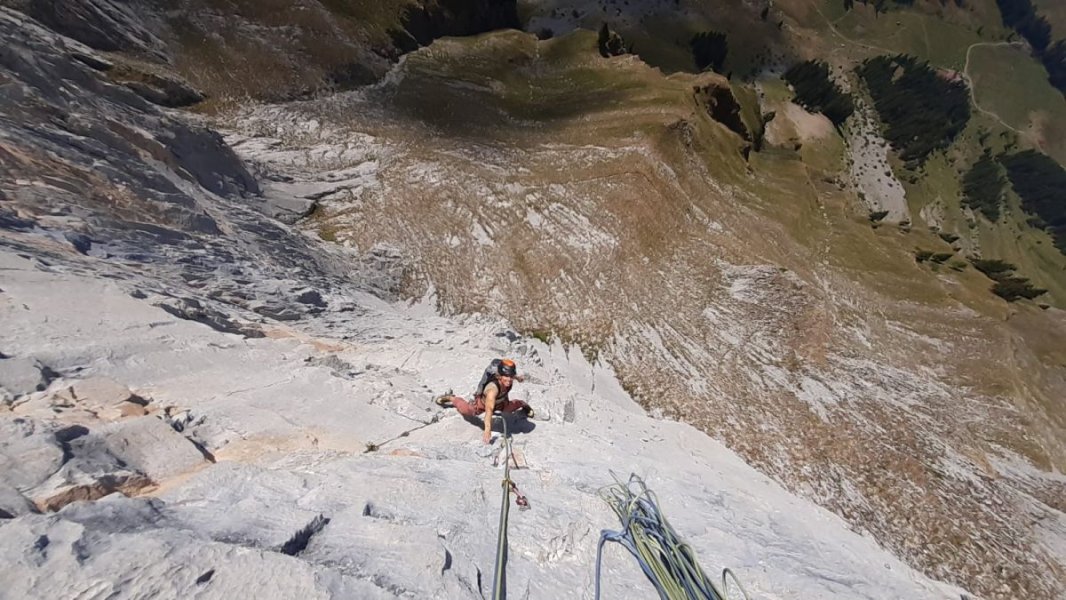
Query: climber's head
506	371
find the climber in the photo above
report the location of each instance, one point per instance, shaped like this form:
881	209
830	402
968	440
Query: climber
492	394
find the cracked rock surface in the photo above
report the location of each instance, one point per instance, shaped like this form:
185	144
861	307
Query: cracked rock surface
333	474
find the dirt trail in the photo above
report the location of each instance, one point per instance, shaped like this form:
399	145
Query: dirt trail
969	80
965	69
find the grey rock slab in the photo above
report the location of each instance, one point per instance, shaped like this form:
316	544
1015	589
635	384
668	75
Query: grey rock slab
13	503
29	452
102	24
152	447
205	156
21	376
164	89
409	561
83	481
63	111
101	392
277	310
90	470
194	310
285	207
117	513
247	505
52	557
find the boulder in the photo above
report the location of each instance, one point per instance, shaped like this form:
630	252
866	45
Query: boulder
72	484
310	297
285	207
723	106
53	467
204	155
29	453
90	470
194	310
276	309
152	447
81	242
21	376
103	391
85	400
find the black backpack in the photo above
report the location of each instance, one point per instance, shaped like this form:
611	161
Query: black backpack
487	376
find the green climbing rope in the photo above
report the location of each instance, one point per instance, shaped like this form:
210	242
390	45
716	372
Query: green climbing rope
668	563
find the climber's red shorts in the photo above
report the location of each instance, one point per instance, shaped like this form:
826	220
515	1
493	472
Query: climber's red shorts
472	409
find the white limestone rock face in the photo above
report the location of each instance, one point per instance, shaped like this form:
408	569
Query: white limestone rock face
336	476
51	557
20	376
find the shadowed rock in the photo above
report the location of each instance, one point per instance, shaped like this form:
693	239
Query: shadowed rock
96	142
193	310
79	486
164	89
723	107
102	24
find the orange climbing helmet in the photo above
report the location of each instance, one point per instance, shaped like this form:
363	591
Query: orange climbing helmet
506	368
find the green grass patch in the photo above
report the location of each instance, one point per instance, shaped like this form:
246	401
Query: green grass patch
940	42
750	111
824	155
1031	250
1010	83
937	182
545	336
1055	13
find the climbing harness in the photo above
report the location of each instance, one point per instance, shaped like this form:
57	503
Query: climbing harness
667	562
523	504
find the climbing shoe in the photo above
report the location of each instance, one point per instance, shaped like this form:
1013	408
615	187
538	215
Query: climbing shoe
444	401
528	412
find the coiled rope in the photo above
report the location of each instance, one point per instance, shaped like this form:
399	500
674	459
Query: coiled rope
668	562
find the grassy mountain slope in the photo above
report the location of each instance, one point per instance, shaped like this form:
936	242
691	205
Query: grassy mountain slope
596	200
